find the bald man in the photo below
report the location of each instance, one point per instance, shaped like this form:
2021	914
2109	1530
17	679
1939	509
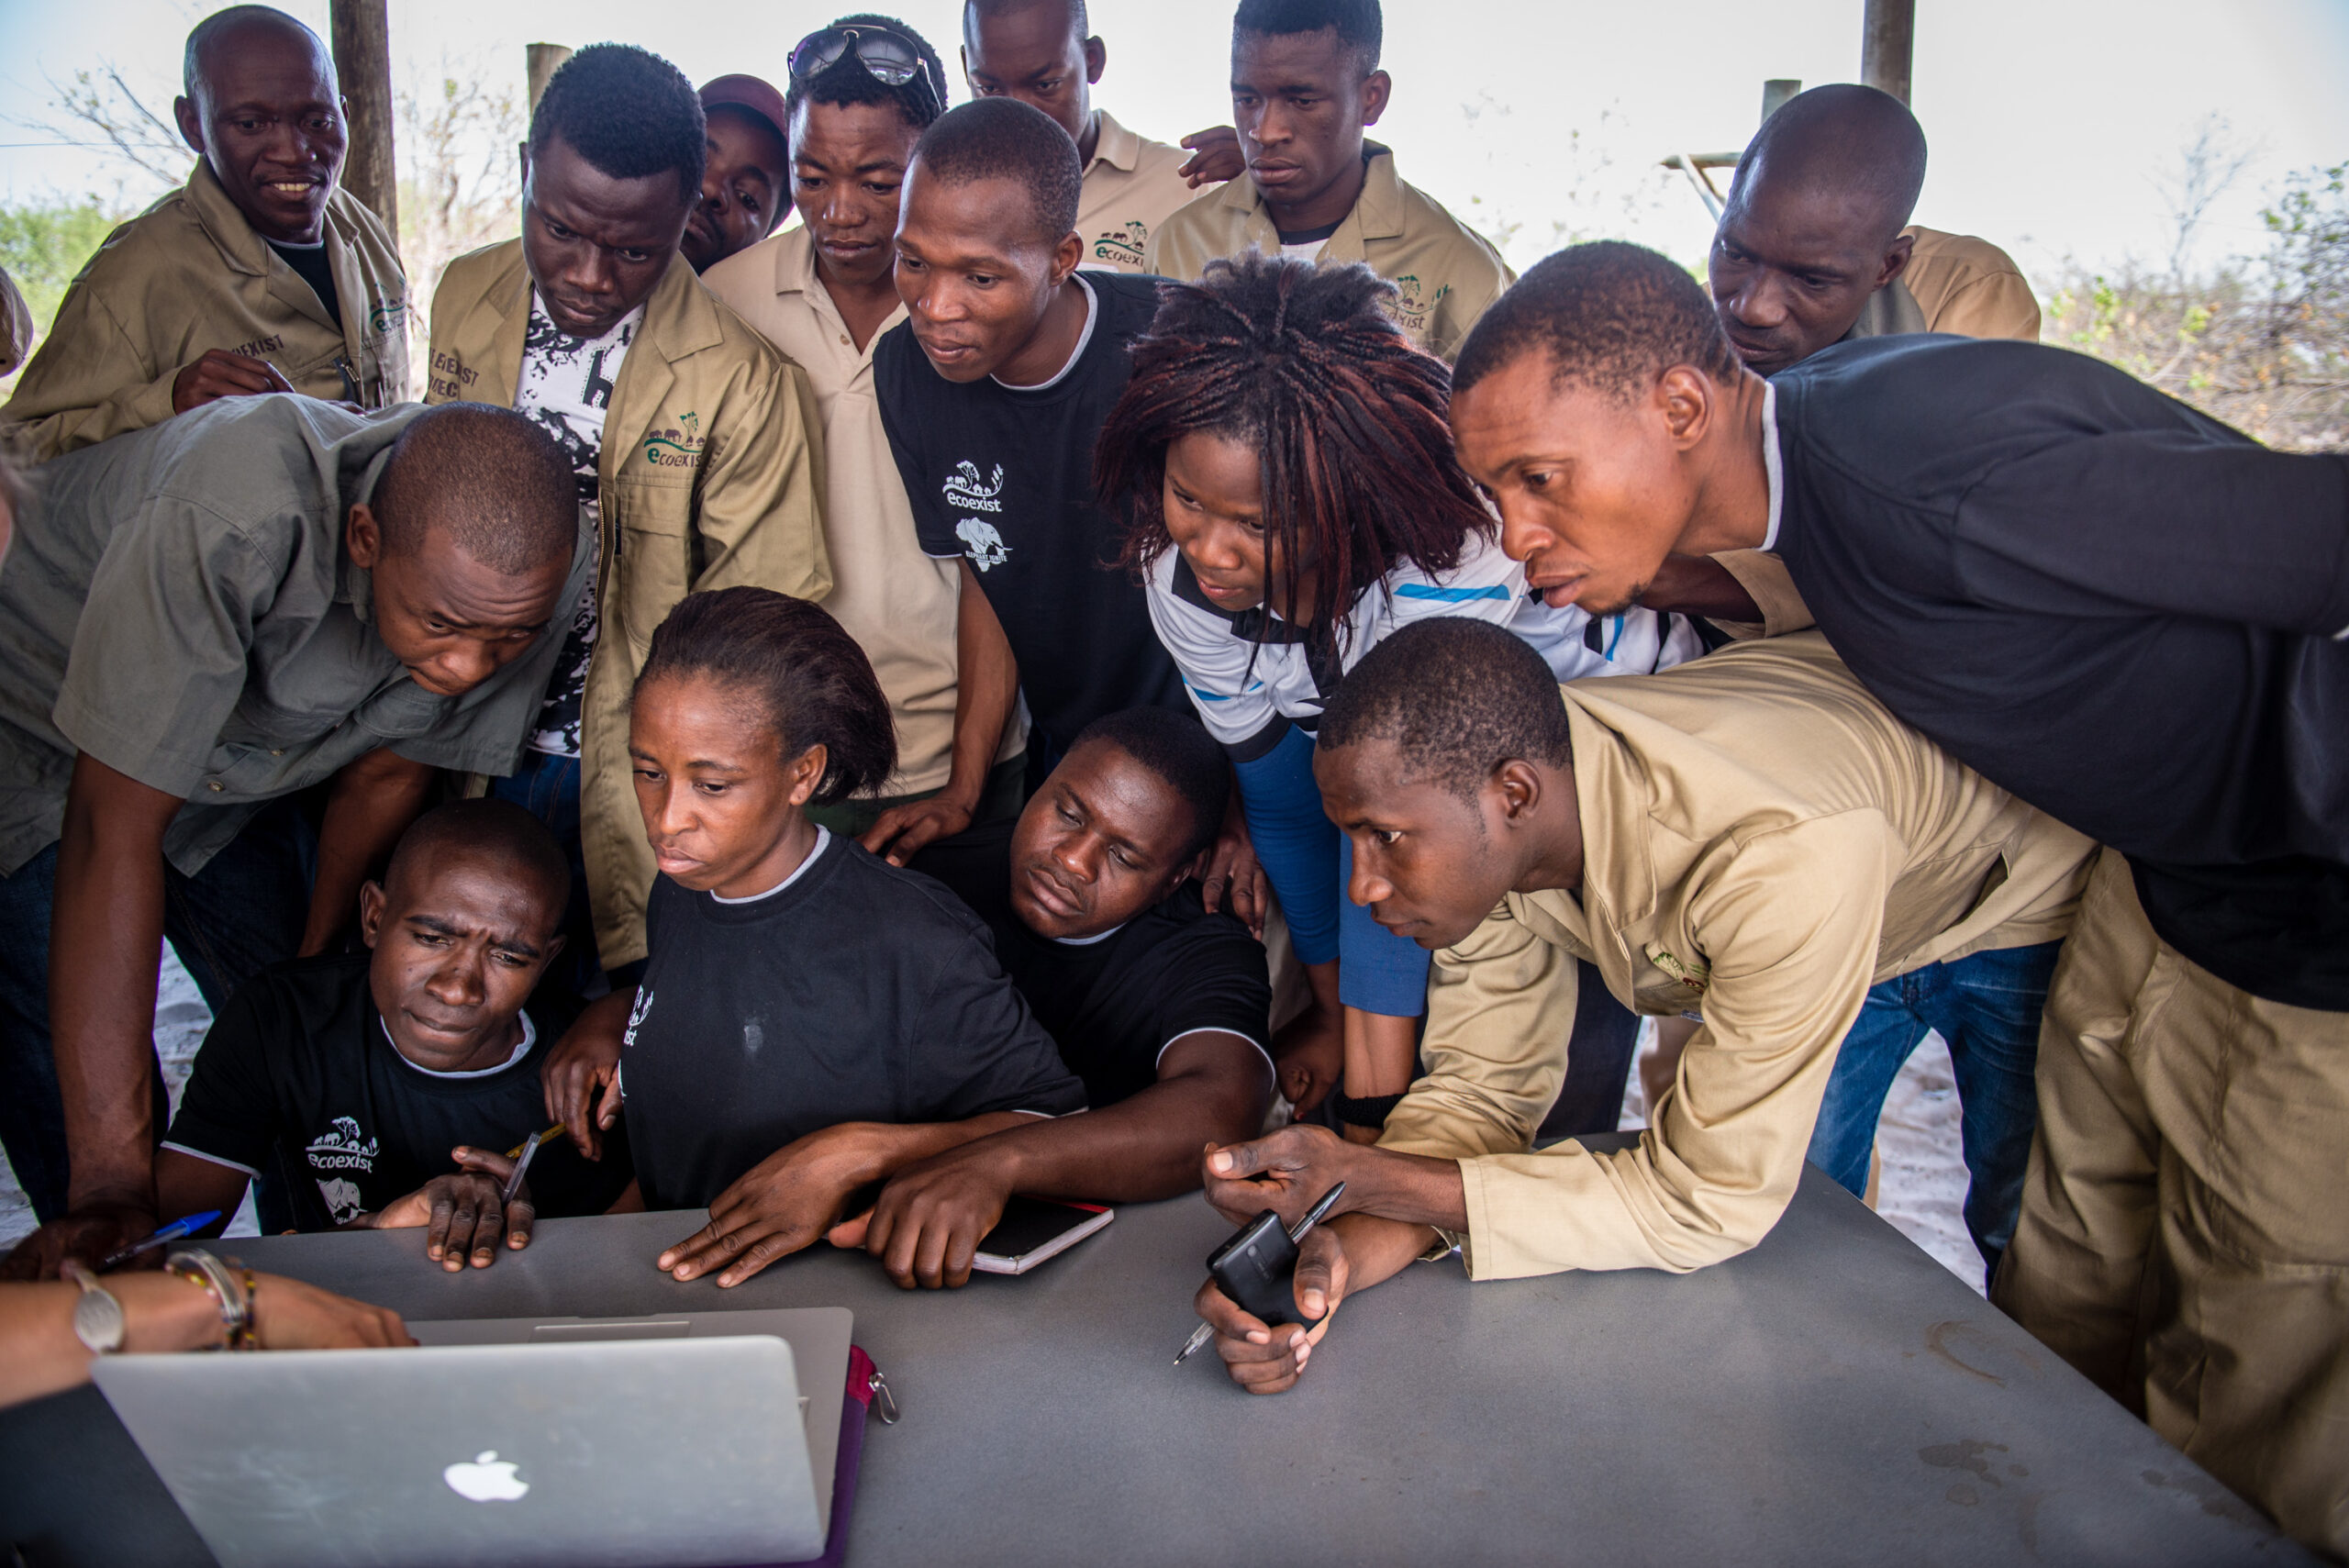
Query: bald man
259	275
1044	54
201	621
1815	246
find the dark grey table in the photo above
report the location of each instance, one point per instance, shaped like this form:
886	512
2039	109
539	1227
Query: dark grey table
1834	1396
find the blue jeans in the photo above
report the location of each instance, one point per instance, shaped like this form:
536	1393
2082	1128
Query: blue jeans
1308	862
547	786
1987	1007
241	913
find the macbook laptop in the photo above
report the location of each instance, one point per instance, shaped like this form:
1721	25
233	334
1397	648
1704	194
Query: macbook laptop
676	1440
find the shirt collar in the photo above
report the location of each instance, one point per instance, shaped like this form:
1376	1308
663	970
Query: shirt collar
1772	465
1096	937
1113	144
530	1038
1092	316
823	837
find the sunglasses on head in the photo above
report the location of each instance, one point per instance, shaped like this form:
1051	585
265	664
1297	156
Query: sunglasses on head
889	58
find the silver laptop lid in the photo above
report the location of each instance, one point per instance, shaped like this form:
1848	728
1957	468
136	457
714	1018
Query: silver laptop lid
682	1451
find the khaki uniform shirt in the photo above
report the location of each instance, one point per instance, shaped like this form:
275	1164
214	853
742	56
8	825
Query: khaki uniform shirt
1130	188
17	328
179	605
1955	283
1446	274
1763	842
901	606
190	274
709	478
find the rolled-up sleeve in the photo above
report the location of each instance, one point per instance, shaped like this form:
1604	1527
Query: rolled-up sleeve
1790	925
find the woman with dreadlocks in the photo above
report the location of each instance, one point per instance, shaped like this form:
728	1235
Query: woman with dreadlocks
1284	464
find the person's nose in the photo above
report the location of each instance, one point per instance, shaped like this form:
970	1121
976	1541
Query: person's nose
939	301
1757	302
672	812
1221	549
1366	886
466	666
456	981
1522	538
1078	855
1272	128
841	208
587	270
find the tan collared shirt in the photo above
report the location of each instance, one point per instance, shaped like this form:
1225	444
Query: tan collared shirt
1762	841
900	605
190	274
1956	284
709	477
1445	273
1130	188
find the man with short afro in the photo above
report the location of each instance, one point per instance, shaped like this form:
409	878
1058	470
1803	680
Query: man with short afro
202	621
1305	84
690	438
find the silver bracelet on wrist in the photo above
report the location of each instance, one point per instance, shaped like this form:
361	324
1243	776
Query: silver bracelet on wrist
236	1308
98	1320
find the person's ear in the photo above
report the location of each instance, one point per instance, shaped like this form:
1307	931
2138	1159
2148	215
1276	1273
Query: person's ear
364	537
806	772
1097	56
1685	396
1066	256
1895	259
1376	88
191	124
370	911
1516	788
964	54
548	955
524	152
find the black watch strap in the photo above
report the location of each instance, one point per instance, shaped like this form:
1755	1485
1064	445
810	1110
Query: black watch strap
1371	1110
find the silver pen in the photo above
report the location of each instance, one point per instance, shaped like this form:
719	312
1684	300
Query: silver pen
1206	1331
513	1182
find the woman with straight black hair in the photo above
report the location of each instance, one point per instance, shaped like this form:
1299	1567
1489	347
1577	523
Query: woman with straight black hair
810	1017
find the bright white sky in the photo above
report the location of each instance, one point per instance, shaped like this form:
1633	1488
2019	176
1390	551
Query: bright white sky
2049	120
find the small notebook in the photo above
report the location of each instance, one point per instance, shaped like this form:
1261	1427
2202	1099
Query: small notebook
1033	1230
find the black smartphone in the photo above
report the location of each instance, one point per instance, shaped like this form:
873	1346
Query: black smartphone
1256	1268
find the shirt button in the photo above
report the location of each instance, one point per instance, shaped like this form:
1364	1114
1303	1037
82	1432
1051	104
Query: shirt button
843	337
214	786
277	751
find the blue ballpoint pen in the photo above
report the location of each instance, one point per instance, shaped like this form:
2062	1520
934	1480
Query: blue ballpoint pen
188	1226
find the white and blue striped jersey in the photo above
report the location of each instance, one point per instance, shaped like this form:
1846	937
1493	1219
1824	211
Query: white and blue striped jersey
1248	671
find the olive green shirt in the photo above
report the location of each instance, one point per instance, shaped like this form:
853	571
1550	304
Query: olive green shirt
179	603
1445	273
190	274
1762	842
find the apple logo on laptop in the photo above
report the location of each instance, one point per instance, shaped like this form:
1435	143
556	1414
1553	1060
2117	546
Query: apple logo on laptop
485	1479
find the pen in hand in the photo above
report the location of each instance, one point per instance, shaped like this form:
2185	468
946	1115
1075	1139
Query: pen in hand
1206	1331
187	1225
528	1151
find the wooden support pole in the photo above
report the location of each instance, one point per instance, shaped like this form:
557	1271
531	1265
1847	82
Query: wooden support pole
1887	45
541	60
363	59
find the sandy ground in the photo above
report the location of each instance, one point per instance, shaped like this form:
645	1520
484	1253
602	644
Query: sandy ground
1923	1184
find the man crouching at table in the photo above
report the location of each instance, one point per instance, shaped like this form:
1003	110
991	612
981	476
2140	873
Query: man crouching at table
1751	836
382	1090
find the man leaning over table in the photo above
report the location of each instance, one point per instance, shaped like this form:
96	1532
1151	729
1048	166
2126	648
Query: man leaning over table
1752	833
202	620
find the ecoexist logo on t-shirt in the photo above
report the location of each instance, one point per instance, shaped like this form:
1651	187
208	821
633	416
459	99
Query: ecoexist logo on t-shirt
966	492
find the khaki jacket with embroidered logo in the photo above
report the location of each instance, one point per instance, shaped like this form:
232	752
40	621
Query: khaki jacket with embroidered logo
709	478
191	273
1445	273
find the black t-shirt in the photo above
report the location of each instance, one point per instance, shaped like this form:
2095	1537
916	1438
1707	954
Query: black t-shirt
2120	609
859	992
1114	1004
310	262
298	1085
1003	479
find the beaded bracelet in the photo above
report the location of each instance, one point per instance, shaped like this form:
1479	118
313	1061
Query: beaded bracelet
200	1267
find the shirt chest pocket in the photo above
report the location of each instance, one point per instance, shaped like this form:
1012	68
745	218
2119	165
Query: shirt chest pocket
650	519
